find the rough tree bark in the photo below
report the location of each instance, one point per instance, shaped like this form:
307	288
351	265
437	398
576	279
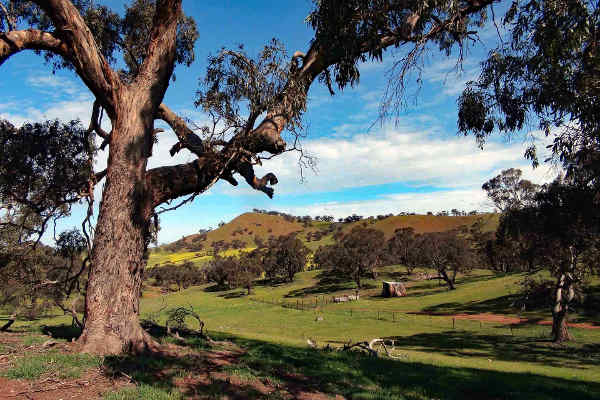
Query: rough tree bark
564	294
112	301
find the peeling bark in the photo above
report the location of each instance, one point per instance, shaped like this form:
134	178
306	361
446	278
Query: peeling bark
112	301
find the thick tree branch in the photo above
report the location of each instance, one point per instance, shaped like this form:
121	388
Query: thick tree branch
83	52
15	41
168	183
159	63
187	138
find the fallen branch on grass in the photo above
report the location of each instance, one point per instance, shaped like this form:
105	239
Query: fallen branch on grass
369	347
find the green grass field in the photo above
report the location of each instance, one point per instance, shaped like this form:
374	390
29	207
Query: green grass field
439	356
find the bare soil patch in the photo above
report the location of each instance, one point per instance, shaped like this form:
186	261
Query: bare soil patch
508	320
207	373
90	386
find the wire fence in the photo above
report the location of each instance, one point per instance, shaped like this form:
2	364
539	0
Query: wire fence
503	325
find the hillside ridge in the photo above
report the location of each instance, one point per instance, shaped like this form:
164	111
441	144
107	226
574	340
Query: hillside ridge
245	229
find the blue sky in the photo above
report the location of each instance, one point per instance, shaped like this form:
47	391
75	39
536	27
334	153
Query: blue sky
416	163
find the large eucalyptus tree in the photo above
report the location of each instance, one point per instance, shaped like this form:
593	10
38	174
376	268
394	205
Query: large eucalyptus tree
152	37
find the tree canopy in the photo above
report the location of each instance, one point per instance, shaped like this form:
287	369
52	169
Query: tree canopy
547	73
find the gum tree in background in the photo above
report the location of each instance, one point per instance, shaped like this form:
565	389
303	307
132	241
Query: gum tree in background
154	36
548	73
564	227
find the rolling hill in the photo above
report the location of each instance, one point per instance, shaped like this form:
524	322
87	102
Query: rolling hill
249	226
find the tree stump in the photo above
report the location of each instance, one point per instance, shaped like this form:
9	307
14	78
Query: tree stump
393	289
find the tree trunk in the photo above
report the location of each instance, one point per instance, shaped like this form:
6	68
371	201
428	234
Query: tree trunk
560	331
112	302
447	279
11	320
563	295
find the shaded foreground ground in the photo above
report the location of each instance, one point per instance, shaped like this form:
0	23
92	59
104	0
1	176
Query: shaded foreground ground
240	368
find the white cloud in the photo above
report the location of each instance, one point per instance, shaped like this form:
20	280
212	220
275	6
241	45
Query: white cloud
400	155
421	203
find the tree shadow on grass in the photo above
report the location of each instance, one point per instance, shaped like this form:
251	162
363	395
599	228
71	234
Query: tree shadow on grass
264	370
216	288
329	282
359	376
67	332
591	305
504	348
233	294
498	305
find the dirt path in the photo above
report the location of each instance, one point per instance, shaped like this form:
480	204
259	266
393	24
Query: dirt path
507	320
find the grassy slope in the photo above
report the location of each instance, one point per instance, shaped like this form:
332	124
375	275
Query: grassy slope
247	225
251	224
428	223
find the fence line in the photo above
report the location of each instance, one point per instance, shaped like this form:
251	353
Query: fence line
395	316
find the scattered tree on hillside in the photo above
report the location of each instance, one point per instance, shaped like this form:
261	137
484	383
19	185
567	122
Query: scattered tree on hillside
399	248
564	228
508	191
220	270
284	257
182	275
246	271
258	241
355	255
449	253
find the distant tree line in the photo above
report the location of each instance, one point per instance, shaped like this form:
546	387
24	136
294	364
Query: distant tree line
278	259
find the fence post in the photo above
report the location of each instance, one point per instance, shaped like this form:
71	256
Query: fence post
453	323
394	317
297	308
377	315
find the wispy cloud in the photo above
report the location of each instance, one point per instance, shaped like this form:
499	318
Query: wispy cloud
401	154
450	76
